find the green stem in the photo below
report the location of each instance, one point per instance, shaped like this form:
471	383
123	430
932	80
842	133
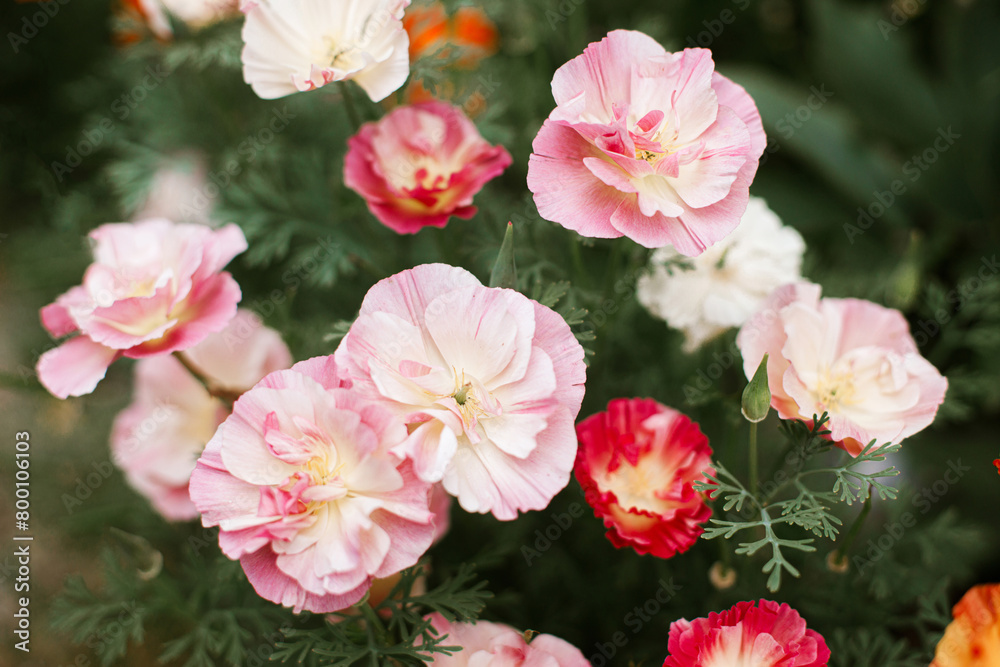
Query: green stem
373	620
224	396
725	556
352	111
753	459
574	248
855	529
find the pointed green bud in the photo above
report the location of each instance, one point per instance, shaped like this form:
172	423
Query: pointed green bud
504	272
757	396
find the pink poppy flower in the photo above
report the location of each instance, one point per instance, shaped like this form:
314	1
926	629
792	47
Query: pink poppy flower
305	490
850	358
421	164
764	635
647	144
154	287
158	438
637	463
487	381
487	644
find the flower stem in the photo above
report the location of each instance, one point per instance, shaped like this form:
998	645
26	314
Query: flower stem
352	111
753	459
855	529
227	397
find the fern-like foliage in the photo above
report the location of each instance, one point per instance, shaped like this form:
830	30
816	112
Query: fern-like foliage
396	631
803	506
204	613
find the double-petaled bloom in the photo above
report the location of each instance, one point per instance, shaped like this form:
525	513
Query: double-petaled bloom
487	381
298	45
155	287
852	359
647	144
762	635
722	287
637	464
307	493
972	639
485	644
420	165
158	438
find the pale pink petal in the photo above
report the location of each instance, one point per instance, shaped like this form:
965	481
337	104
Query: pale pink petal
57	320
272	584
75	367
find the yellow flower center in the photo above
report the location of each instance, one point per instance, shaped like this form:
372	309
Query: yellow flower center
834	388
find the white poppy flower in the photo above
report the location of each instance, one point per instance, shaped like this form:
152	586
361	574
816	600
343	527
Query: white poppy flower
299	45
726	284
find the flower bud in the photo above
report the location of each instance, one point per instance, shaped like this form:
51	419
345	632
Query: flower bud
757	396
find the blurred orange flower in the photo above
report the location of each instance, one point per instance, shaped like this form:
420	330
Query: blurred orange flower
469	28
973	638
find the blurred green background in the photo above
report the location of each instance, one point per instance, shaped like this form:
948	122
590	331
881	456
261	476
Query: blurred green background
883	151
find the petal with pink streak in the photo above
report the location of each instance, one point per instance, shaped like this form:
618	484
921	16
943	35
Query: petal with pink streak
556	339
244	452
734	96
407	294
600	78
431	447
486	332
75	367
681	84
706	226
709	179
324	370
484	479
564	189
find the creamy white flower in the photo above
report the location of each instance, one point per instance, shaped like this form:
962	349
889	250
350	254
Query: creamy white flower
727	283
298	45
200	13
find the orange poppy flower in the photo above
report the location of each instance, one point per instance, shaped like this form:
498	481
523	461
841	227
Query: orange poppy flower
973	638
469	28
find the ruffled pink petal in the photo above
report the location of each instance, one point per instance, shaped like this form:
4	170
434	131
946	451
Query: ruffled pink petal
598	79
272	584
564	188
736	97
484	479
